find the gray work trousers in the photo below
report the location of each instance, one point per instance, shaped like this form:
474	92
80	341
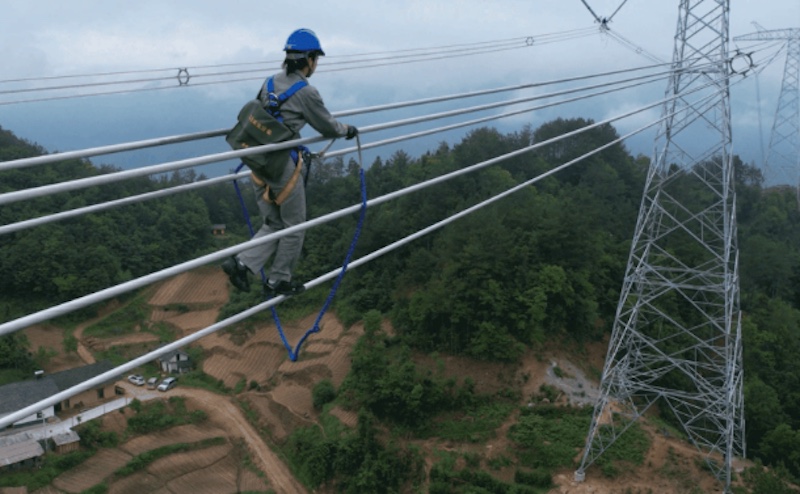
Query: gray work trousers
291	212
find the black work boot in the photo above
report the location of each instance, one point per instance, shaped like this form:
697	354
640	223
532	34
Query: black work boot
237	273
283	287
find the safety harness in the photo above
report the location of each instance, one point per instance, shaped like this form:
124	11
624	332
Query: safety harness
294	352
272	103
260	122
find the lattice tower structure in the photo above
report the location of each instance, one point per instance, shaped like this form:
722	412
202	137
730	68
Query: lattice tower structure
676	339
782	161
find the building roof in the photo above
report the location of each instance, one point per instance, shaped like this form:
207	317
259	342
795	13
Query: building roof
17	448
170	355
67	437
19	395
71	377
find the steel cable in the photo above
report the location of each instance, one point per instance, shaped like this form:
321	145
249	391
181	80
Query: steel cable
125	287
115	148
21	225
146	358
77	184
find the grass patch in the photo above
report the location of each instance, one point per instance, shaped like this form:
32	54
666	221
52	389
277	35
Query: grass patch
667	429
165	332
122	354
444	479
549	437
475	425
12	375
199	379
140	462
158	415
121	322
52	466
628	450
101	488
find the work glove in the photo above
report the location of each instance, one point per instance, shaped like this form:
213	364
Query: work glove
351	132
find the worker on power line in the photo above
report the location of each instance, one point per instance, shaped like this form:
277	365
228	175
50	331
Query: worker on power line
280	194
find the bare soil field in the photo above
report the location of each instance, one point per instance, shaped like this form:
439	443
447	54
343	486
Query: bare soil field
279	391
92	471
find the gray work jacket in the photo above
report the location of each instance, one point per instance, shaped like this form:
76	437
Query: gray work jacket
305	106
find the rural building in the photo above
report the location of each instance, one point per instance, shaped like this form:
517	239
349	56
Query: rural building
175	362
66	441
19	451
19	395
218	229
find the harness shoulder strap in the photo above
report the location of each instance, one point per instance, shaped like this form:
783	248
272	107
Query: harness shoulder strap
273	102
280	99
297	86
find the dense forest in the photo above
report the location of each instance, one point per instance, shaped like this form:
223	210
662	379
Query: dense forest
543	265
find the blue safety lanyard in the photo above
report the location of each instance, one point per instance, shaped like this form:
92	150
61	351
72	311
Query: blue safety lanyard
294	351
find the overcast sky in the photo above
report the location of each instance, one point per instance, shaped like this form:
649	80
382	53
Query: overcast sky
46	38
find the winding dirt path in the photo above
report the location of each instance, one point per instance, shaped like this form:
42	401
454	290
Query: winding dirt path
225	411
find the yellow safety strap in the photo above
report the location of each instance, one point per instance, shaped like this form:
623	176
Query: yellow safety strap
286	190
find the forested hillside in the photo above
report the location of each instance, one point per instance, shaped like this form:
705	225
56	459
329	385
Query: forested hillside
66	259
542	266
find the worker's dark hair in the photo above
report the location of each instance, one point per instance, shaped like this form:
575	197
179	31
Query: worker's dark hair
295	61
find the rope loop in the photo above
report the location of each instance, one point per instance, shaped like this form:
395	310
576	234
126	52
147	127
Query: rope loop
293	352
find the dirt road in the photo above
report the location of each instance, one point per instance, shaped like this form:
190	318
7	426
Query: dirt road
223	411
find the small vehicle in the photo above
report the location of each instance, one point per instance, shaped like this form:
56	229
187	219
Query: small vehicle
168	383
152	383
136	379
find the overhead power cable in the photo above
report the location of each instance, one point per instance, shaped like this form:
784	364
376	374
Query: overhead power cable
632	46
115	148
87	300
261	62
184	76
21	225
83	183
276	65
182	342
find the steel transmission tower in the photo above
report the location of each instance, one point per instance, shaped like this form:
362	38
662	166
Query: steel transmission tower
676	339
782	163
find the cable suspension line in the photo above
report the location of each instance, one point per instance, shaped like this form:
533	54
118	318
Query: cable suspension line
276	62
596	17
632	46
184	75
603	21
618	9
530	41
115	148
225	81
21	225
439	55
40	191
90	299
182	342
262	62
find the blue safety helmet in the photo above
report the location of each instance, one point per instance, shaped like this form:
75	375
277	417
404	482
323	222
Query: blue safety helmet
304	41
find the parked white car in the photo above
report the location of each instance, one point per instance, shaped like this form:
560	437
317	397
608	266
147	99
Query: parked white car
152	383
136	379
168	383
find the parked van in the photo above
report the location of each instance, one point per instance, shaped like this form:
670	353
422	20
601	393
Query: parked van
168	384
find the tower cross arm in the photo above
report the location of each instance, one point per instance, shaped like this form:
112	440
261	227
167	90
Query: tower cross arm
772	34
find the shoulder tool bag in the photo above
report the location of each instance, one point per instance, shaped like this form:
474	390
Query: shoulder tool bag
258	125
